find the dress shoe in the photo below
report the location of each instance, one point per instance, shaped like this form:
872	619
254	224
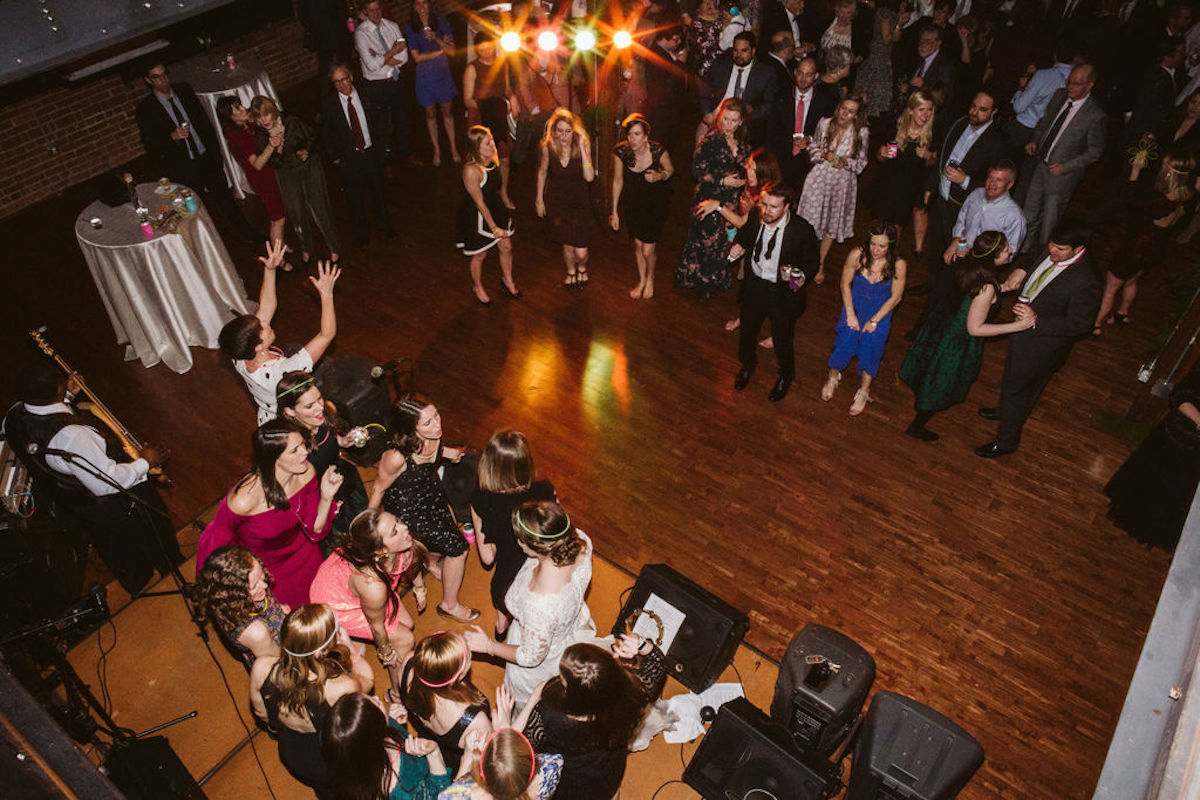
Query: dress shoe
990	412
517	295
779	390
921	432
992	450
742	378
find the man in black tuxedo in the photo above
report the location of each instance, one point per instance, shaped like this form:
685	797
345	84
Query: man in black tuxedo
180	139
780	49
787	136
738	74
783	255
1064	293
355	134
972	145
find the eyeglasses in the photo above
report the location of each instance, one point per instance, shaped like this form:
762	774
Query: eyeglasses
342	80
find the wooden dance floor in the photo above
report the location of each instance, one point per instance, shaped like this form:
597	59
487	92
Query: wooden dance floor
993	591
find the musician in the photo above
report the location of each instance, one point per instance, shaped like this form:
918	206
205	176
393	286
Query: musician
42	423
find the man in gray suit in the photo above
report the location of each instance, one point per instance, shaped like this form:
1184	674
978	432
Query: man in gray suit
1068	137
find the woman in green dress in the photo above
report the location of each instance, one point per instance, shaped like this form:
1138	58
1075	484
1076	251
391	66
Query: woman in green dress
948	349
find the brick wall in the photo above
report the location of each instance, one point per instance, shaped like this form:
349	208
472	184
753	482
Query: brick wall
92	126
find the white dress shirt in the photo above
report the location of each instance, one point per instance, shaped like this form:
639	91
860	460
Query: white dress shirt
733	75
767	267
1075	106
1046	266
371	49
358	109
90	445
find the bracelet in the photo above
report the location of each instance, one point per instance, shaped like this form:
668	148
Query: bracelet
387	655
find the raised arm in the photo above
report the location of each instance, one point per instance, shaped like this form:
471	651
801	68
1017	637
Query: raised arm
268	302
327	275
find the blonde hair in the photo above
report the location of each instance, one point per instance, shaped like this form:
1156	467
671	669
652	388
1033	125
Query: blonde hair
1175	175
476	136
507	765
904	123
261	105
301	679
564	115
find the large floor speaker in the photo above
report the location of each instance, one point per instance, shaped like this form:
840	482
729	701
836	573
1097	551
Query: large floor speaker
818	705
359	400
708	635
746	755
148	769
907	750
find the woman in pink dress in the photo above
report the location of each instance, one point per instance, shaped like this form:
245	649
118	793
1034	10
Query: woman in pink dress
279	511
363	580
839	153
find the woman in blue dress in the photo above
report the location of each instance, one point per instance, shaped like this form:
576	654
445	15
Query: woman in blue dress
872	285
432	42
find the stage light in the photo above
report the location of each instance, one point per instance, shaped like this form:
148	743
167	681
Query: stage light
510	41
547	40
584	40
622	39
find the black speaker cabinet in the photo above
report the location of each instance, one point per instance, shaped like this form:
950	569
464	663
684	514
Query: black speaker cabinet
148	769
819	706
346	382
907	750
709	635
746	755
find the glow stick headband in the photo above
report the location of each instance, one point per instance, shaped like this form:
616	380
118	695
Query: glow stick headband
486	744
548	536
304	384
458	673
325	644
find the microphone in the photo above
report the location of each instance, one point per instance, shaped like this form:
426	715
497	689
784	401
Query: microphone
381	370
33	448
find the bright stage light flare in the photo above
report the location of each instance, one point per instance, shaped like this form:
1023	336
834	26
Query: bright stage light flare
547	40
510	41
585	40
622	39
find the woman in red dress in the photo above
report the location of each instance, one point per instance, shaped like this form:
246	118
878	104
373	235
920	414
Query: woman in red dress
239	134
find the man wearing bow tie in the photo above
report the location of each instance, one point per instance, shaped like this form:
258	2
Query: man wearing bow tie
782	257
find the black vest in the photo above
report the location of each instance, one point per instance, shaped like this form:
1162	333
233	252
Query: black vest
24	428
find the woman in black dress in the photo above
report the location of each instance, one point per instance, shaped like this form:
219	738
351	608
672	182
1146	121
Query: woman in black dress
506	482
591	711
640	196
483	221
1153	206
299	399
564	173
294	691
1153	490
905	159
407	486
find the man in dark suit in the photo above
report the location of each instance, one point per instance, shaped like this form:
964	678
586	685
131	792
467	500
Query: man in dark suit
737	74
1063	292
780	49
782	257
1068	138
352	125
787	136
932	67
972	145
665	82
180	139
790	16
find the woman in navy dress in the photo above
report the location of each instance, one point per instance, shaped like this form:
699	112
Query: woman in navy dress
872	285
432	42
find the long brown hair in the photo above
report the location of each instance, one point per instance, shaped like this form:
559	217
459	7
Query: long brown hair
592	684
977	268
223	586
580	135
268	443
310	656
544	527
506	463
362	548
438	659
355	745
880	228
830	141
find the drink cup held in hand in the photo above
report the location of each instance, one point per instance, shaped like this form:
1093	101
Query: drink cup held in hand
359	436
468	532
794	277
892	149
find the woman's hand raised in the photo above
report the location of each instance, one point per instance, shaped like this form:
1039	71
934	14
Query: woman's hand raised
331	481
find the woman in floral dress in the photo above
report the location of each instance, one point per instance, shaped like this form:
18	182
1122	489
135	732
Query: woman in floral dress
719	169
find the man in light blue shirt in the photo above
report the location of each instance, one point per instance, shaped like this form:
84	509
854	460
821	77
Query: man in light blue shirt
989	208
1029	104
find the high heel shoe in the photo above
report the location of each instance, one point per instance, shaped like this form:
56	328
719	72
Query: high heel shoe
480	300
515	295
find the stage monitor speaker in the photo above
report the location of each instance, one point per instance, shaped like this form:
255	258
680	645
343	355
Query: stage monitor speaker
746	755
817	704
709	629
346	382
909	751
148	769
